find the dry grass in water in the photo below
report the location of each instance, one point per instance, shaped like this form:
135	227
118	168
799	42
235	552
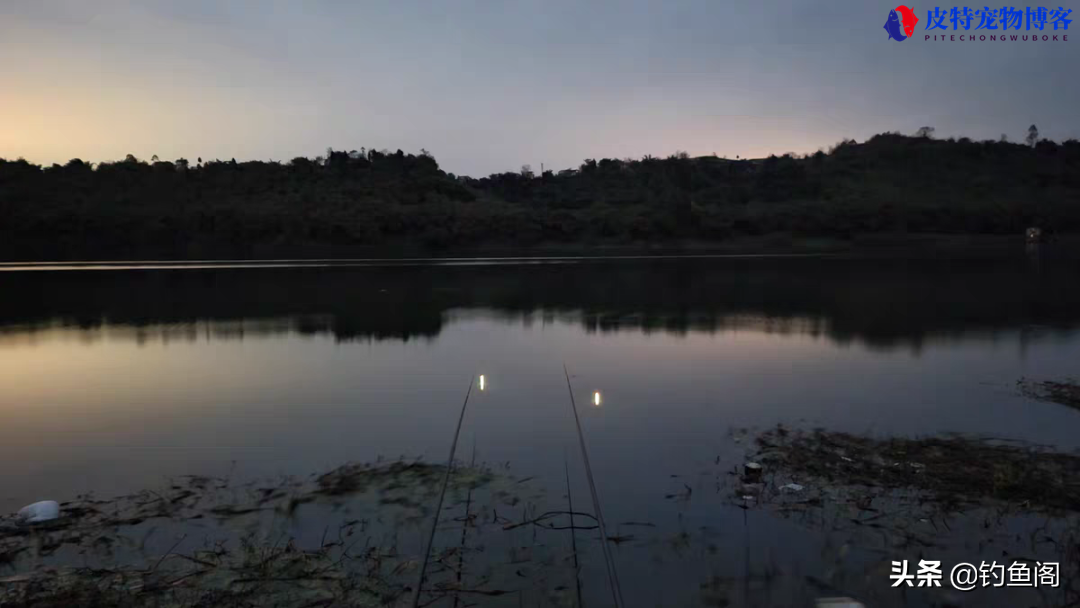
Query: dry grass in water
202	542
950	470
1065	393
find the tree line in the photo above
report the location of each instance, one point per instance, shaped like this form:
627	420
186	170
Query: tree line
890	183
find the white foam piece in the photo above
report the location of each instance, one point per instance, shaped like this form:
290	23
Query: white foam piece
44	510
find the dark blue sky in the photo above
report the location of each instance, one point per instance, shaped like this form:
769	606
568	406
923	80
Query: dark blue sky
489	86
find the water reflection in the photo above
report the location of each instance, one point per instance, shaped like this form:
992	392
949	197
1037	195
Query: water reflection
885	303
115	380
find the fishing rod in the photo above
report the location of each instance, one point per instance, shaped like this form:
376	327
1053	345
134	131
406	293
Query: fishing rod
573	533
609	562
465	525
442	494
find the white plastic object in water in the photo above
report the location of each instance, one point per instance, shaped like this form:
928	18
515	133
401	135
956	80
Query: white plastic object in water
839	602
39	512
794	487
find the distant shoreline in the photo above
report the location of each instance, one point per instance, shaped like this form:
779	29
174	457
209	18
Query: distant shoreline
776	245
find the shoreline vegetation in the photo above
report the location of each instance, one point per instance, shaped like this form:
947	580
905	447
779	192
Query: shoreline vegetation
891	190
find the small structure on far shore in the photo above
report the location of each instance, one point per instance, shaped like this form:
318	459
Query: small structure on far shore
1033	234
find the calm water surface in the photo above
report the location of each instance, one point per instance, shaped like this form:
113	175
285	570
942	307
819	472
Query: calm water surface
114	379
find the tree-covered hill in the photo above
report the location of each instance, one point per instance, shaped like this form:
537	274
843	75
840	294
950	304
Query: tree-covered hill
889	184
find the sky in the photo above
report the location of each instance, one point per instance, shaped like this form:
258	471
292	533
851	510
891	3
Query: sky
490	86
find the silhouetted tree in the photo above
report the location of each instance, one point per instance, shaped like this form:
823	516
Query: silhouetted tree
375	197
1032	136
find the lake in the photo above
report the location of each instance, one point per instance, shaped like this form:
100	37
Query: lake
114	378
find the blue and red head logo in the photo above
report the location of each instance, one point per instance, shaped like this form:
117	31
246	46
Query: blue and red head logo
901	23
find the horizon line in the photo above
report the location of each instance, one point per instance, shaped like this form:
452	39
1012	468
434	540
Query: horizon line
424	152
